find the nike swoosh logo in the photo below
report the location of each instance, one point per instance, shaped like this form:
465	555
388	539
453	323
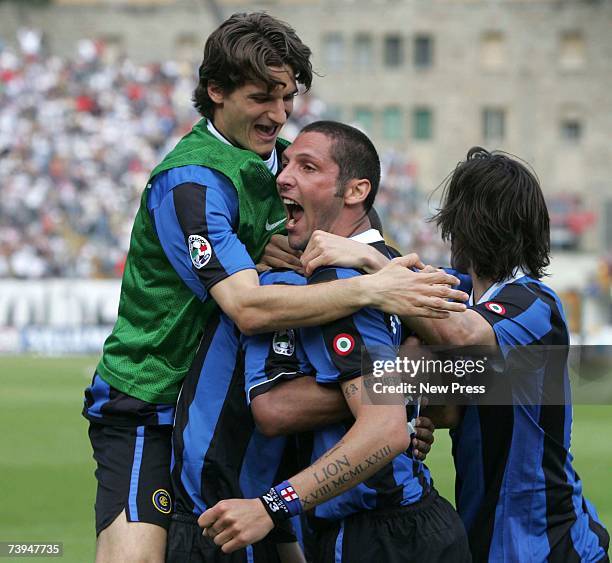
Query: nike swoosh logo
274	225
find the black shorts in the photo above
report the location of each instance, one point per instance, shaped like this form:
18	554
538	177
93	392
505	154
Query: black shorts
133	473
186	544
428	531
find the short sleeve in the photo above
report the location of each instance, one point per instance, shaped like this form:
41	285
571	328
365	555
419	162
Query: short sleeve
342	349
196	225
275	356
517	315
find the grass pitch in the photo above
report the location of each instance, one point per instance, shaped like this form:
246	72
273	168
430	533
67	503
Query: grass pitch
46	468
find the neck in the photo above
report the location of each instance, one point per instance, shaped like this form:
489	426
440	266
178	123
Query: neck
479	285
352	226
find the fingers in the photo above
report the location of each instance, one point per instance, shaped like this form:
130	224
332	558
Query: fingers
425	423
223	536
439	277
281	263
208	517
276	255
410	261
310	265
233	545
282	242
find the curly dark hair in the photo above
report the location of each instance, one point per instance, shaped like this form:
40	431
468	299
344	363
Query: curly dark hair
242	49
494	214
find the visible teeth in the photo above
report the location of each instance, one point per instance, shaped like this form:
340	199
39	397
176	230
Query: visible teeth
288	201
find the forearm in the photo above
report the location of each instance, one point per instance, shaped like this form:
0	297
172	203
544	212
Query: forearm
452	330
274	307
299	405
363	451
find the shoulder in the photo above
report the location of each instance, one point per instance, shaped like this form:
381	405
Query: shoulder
194	174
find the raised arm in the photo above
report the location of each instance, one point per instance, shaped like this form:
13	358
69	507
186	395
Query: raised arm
394	289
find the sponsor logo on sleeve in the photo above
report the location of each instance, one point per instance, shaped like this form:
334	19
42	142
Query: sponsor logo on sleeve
495	308
200	251
343	344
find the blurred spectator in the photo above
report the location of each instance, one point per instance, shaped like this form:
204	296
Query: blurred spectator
78	140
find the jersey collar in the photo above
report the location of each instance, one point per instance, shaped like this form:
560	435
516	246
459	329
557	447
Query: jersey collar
368	237
271	162
518	274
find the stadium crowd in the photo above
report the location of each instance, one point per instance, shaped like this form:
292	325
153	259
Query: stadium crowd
78	138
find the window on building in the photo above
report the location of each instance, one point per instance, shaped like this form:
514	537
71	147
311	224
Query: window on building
422	124
493	124
392	123
393	51
423	51
364	52
492	50
333	51
364	117
571	130
572	50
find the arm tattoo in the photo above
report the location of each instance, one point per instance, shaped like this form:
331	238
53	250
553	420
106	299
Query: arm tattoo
350	390
339	474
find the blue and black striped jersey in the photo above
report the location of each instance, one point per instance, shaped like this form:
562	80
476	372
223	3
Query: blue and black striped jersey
217	452
333	353
182	202
517	492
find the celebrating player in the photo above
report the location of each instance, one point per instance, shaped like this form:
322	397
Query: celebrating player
517	492
205	217
371	498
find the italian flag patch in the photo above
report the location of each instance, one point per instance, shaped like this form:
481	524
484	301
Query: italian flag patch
343	344
495	308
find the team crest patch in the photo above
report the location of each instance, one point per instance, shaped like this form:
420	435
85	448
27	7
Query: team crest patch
495	308
284	342
200	251
162	501
343	344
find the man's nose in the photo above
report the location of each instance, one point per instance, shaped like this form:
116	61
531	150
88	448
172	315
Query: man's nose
277	112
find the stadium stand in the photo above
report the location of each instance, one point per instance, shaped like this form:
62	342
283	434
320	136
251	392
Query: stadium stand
78	139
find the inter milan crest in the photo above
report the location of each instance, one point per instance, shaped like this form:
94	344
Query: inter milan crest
284	342
200	251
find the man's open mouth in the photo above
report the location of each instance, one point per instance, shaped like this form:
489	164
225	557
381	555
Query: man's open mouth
294	211
267	131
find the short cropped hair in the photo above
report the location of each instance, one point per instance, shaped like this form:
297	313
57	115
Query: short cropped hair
494	214
242	49
354	154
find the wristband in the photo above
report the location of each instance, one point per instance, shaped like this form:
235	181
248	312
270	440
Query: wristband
281	502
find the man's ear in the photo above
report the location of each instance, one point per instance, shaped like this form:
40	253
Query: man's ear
356	191
215	93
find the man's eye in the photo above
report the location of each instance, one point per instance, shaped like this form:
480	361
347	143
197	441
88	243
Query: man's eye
309	168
